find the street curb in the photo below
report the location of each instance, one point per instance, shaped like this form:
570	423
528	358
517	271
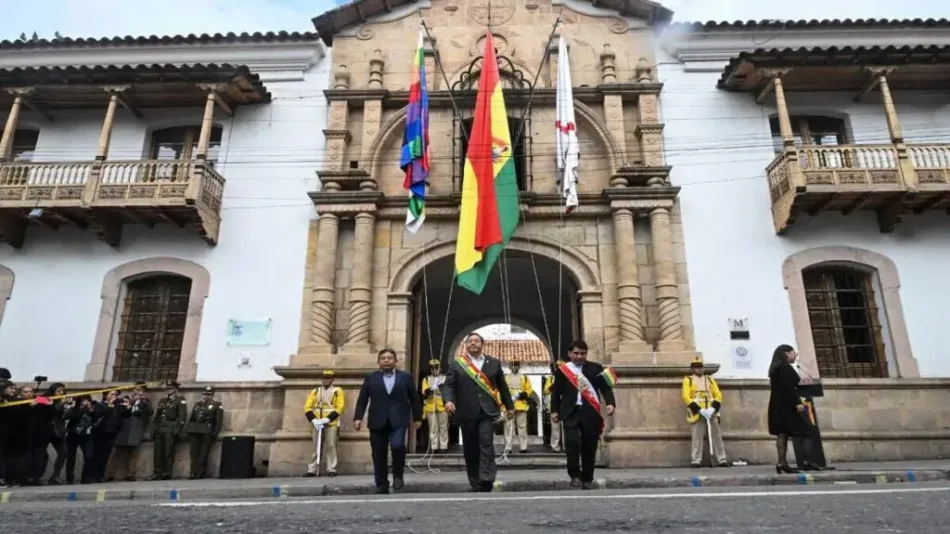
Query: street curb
331	489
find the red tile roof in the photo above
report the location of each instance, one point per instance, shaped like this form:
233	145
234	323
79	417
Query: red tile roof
204	38
522	350
804	24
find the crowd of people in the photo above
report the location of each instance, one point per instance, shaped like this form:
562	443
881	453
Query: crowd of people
108	431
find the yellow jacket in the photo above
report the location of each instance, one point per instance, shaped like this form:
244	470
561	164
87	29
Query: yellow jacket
317	408
433	401
548	384
704	392
523	386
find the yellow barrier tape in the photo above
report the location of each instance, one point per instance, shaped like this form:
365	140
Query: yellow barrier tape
81	393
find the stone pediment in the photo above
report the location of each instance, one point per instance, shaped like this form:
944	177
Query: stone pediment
360	12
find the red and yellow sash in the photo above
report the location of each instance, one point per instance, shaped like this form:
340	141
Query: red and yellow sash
579	381
479	377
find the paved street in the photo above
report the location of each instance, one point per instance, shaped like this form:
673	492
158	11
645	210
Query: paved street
894	508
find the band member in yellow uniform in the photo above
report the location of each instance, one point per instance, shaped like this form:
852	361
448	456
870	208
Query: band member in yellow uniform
323	409
434	409
555	427
703	402
520	387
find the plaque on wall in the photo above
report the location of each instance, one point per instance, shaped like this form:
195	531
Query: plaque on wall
248	333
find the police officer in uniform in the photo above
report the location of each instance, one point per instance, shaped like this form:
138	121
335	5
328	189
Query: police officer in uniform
520	387
555	427
434	409
207	416
170	416
323	408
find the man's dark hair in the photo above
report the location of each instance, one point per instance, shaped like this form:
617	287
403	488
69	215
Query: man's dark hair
385	351
5	374
578	344
477	335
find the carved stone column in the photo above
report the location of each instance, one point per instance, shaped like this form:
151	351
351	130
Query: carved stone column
628	284
613	102
319	346
668	305
361	283
9	129
337	132
433	76
649	128
376	65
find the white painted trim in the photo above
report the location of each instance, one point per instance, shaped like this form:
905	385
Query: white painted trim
272	61
723	45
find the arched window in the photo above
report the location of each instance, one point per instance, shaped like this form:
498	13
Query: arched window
24	145
810	130
845	322
520	150
151	328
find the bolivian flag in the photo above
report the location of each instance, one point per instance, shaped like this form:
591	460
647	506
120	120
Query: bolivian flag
490	209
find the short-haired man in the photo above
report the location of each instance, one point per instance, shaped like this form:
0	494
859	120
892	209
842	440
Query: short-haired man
393	405
575	401
475	392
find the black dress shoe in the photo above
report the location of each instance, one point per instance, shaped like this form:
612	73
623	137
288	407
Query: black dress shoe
587	485
725	464
694	466
398	484
486	487
310	475
382	490
575	482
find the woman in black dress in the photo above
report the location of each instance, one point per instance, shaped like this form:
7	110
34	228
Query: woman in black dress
786	411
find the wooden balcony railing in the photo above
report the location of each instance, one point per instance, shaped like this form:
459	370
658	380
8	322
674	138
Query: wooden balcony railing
891	180
150	191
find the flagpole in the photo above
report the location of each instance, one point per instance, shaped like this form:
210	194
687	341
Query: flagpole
438	62
537	76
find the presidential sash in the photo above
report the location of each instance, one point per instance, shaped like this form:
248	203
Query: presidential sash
479	377
583	385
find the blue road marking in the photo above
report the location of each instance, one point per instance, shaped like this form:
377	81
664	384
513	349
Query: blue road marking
173	495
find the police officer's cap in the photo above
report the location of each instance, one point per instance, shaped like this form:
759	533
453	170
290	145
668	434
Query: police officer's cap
328	374
697	362
171	383
434	362
209	389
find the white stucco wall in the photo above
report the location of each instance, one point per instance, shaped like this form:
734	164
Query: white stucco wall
719	144
268	157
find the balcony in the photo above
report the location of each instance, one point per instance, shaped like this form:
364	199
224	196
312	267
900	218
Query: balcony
891	180
103	196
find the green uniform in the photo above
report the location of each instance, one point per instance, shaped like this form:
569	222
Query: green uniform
169	421
203	426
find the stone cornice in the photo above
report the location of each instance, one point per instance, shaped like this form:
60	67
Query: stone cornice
345	202
545	96
275	61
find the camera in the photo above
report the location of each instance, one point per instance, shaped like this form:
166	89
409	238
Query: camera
40	379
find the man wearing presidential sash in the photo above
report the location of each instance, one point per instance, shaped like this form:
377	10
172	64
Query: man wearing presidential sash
575	402
475	392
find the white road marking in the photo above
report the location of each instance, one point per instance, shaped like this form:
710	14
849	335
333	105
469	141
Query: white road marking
558	497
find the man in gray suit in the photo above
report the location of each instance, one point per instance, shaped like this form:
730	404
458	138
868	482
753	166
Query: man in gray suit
475	392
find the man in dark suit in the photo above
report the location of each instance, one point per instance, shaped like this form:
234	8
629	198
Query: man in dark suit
580	413
393	404
474	392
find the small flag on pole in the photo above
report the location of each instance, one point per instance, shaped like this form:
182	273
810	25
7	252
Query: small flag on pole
568	149
414	159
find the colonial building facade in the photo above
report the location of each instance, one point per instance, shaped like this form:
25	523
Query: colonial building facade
152	190
306	244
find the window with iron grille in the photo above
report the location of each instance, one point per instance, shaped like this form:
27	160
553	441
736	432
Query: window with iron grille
845	322
152	328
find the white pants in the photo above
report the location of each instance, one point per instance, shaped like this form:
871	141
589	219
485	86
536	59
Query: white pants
330	436
521	423
438	431
699	436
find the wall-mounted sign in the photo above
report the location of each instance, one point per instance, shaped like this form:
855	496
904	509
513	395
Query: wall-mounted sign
741	359
255	333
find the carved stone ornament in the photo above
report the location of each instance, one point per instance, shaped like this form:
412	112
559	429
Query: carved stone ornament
618	25
501	11
502	46
365	33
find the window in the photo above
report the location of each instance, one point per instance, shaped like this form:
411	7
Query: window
152	327
811	130
520	155
844	322
181	143
24	145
